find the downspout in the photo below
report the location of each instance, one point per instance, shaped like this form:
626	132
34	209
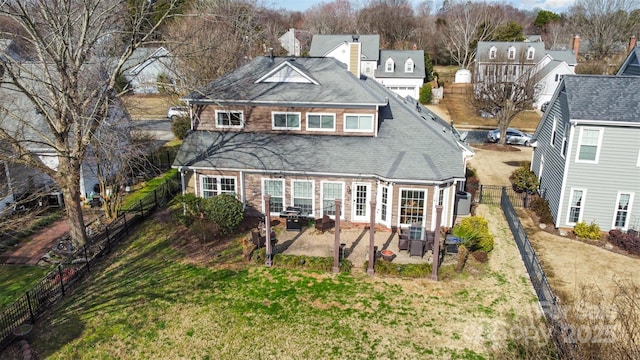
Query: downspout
242	191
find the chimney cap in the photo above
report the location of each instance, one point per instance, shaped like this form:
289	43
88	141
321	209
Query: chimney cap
355	37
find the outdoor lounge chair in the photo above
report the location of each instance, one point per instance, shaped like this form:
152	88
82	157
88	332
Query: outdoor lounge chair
324	223
417	248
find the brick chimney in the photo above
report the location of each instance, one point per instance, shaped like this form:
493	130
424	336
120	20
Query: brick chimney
414	47
632	43
576	45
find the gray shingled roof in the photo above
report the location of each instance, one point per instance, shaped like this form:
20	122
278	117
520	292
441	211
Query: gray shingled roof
399	57
567	56
603	98
321	45
482	54
335	84
548	68
411	145
631	65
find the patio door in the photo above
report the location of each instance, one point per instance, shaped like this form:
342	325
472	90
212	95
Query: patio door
360	195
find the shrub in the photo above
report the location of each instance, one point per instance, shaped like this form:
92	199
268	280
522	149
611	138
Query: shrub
425	93
474	233
524	179
225	210
587	231
540	206
627	242
181	127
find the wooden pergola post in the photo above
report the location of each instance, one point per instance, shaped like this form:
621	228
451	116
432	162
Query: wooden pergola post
336	245
436	245
267	229
372	234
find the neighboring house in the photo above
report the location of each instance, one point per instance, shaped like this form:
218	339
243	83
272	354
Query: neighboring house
151	71
509	61
402	71
588	152
631	65
295	42
307	132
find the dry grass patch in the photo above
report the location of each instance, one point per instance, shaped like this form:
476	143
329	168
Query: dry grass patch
150	106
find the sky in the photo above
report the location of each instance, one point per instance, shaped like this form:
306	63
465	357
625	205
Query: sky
551	5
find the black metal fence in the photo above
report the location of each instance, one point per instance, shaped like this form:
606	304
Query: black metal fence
492	195
556	320
28	308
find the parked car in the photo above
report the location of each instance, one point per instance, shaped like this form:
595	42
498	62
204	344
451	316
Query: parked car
514	136
176	112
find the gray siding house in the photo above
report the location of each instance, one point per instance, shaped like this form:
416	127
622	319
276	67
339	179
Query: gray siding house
588	153
306	131
631	65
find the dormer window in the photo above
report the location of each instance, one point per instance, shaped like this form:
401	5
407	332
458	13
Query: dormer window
492	52
388	66
530	52
512	53
408	66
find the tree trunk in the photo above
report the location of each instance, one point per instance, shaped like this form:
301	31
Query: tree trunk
463	254
70	186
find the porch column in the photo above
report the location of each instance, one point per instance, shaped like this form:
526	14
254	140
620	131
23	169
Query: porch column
436	245
336	245
372	233
267	229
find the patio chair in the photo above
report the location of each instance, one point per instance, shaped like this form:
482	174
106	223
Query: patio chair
324	223
417	248
261	240
403	241
431	236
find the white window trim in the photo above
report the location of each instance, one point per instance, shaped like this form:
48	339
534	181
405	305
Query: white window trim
554	131
493	51
389	65
321	129
219	190
599	146
230	126
565	140
389	188
584	198
342	196
424	209
313	191
530	53
638	162
511	53
408	66
273	120
344	123
629	209
284	198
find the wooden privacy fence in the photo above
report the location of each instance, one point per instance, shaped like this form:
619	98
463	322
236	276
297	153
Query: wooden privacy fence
28	308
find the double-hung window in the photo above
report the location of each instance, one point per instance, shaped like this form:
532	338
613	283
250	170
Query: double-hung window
565	140
229	119
358	123
623	203
554	131
211	186
286	120
512	53
408	66
330	192
575	206
302	193
388	66
589	145
275	188
321	122
412	206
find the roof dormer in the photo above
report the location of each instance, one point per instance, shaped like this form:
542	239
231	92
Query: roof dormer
408	66
530	53
388	65
492	52
511	53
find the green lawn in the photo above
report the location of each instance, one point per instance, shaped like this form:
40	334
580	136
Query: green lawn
15	280
146	302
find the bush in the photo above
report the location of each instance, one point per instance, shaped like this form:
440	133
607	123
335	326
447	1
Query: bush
627	242
540	206
590	231
474	233
425	93
524	179
181	127
225	210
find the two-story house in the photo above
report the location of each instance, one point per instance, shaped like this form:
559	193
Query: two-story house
307	131
588	153
402	71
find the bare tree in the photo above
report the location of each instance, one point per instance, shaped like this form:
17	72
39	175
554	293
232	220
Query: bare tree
463	24
68	88
392	19
336	17
605	23
504	89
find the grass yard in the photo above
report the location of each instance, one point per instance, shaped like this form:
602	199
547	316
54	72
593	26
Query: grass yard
150	106
15	280
151	300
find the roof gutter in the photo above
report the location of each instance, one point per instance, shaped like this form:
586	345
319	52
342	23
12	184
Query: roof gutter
604	123
277	102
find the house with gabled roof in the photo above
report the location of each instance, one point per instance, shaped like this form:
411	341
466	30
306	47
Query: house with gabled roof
588	152
306	131
402	71
631	64
151	70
